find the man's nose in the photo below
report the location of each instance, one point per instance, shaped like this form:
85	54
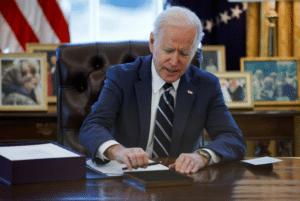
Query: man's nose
175	58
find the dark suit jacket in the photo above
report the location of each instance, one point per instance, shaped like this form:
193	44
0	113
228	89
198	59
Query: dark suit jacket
123	112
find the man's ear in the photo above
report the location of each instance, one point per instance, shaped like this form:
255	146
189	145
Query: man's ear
151	42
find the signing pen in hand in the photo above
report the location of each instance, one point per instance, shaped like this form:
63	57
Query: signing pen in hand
153	163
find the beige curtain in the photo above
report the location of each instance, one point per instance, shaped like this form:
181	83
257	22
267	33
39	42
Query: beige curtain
287	25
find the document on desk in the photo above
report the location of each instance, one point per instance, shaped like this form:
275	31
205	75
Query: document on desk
39	151
262	161
113	168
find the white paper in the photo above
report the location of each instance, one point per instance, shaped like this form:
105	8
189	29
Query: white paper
113	168
262	161
39	151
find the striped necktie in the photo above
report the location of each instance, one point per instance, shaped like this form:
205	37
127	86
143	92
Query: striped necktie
164	123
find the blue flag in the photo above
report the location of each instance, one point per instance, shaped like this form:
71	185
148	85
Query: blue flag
224	23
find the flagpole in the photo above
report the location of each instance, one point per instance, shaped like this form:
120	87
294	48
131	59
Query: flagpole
272	16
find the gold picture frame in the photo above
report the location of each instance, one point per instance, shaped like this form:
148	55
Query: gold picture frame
237	89
275	79
49	49
23	83
214	58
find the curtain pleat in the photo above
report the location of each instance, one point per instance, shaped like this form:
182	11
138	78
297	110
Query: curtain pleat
287	26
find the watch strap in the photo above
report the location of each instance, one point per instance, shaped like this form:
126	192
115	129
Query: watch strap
206	154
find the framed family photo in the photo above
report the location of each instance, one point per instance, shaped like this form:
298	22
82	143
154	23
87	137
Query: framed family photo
23	83
49	49
237	89
214	58
275	79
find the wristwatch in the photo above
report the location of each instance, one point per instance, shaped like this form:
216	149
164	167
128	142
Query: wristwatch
206	154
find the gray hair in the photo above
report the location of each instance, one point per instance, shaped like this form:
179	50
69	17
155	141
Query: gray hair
180	16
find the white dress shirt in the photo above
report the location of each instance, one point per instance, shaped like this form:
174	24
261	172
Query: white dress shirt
157	91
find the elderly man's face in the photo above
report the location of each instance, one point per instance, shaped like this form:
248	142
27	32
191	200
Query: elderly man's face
173	51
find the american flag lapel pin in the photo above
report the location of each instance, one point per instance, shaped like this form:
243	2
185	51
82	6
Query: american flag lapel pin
190	92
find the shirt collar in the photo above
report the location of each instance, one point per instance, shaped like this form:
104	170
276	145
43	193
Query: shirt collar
158	82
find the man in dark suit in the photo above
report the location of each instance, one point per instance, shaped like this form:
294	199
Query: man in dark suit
122	125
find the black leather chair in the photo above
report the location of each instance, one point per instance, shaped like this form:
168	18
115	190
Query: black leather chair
81	72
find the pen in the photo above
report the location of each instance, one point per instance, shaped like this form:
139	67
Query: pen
153	163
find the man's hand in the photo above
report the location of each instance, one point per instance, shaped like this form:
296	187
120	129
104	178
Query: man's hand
132	157
189	163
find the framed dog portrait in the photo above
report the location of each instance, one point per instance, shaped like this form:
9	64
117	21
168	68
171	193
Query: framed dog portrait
49	49
23	82
214	58
275	79
237	89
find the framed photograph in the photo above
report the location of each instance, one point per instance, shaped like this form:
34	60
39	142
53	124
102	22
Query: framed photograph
49	49
275	79
23	82
237	89
214	58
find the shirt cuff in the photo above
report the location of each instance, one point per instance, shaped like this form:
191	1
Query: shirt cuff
103	147
214	158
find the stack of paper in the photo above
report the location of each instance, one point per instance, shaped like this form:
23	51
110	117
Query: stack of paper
36	151
39	162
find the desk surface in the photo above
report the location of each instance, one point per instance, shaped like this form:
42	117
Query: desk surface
231	181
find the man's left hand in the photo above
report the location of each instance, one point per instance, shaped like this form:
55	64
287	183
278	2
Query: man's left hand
189	163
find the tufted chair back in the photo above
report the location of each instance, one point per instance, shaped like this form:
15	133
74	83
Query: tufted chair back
81	72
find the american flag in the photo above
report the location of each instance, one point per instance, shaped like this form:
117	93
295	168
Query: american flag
38	21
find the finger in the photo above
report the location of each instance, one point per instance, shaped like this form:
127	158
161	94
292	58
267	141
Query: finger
127	162
179	163
145	160
140	159
184	165
196	168
190	166
172	166
198	165
133	160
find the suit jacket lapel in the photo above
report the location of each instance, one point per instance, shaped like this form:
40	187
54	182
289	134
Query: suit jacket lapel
185	96
144	95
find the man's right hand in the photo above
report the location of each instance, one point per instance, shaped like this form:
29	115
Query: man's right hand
132	157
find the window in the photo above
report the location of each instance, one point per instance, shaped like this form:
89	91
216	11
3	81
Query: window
112	20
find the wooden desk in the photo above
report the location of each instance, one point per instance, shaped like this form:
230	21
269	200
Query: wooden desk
230	181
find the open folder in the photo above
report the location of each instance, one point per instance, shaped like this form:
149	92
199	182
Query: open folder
113	168
156	175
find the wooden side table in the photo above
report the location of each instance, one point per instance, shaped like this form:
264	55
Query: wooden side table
263	126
